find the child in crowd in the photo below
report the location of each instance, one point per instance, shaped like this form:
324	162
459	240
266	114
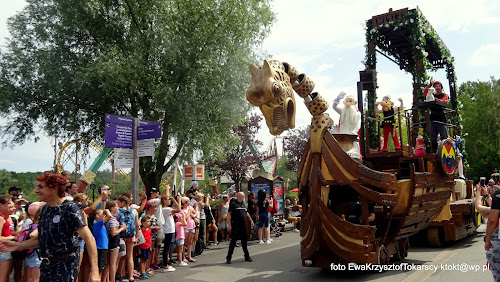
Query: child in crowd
33	261
101	236
113	228
179	236
6	209
168	228
146	246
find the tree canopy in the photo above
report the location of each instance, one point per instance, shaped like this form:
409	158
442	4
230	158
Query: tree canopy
481	121
183	64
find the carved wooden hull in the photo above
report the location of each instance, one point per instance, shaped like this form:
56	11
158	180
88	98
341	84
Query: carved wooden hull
331	182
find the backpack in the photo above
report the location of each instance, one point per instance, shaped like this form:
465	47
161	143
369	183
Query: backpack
126	216
199	246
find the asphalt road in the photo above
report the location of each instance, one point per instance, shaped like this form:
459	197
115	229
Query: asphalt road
280	261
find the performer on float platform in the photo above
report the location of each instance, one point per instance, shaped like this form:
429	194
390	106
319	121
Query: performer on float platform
389	123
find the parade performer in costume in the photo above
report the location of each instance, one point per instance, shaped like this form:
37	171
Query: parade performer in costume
437	116
420	147
350	117
389	123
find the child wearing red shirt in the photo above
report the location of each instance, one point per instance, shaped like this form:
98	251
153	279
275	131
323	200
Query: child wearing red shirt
145	247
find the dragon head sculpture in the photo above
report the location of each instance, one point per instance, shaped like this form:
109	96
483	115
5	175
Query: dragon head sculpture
271	90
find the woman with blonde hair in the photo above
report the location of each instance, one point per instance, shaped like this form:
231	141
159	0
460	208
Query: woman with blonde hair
189	229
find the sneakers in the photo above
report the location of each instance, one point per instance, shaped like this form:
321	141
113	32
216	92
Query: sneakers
144	276
170	269
154	267
269	239
249	259
268	242
296	230
172	262
183	264
261	242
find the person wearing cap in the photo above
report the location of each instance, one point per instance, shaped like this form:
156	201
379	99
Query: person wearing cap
193	189
437	116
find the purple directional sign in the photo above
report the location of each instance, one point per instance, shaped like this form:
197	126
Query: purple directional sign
149	131
119	119
119	131
118	136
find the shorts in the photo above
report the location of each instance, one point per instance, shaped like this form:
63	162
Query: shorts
81	243
114	242
32	260
102	259
123	249
263	221
5	256
144	254
189	230
130	239
179	242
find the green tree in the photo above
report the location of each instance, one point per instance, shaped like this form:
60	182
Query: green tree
181	63
480	101
240	154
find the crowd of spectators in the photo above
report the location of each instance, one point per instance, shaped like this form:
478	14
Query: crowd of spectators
127	238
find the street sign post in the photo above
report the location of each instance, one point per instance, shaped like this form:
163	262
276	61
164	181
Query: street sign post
194	172
118	135
122	153
149	131
124	163
145	151
125	132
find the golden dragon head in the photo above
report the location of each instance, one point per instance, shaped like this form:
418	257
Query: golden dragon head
271	90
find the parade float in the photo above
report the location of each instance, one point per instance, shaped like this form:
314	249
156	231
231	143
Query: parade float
361	204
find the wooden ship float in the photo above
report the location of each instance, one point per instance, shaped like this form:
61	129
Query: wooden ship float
353	209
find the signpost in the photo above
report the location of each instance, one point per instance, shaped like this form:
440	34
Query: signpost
118	136
149	131
123	134
194	172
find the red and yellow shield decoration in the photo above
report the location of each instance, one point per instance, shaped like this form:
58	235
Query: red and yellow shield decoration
448	157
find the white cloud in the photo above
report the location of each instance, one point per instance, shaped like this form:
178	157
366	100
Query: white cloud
324	67
486	55
453	16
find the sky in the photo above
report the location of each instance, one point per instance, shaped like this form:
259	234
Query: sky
325	39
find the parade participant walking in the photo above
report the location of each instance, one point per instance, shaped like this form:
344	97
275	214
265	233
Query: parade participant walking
236	218
491	240
60	225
